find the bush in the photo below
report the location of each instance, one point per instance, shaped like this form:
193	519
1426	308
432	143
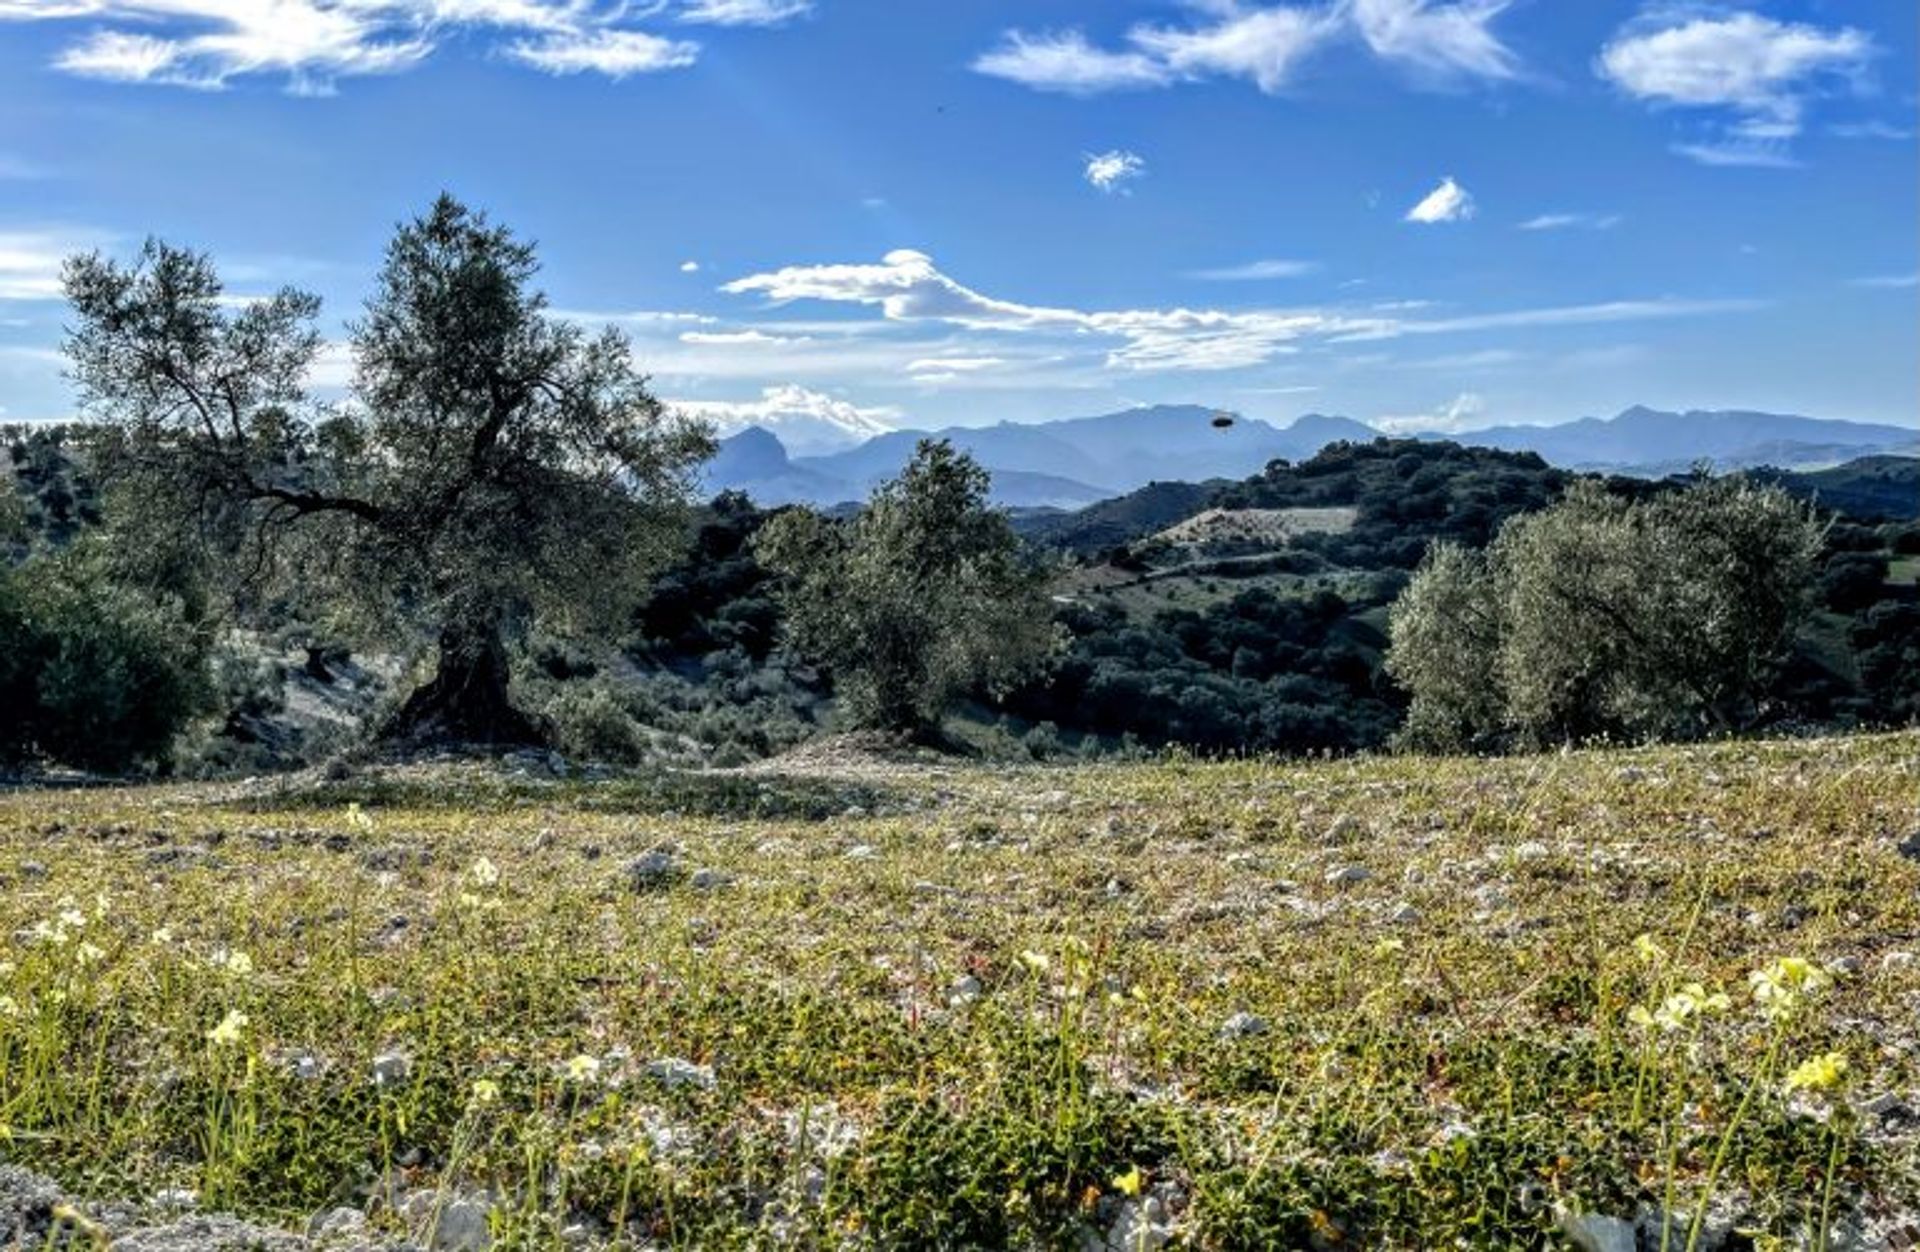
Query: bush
102	677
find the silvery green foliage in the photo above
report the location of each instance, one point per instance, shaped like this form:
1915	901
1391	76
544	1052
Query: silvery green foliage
1658	617
924	595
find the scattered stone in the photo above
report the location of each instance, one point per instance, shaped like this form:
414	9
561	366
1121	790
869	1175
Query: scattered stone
392	1068
1405	915
861	852
1531	850
340	1225
1347	875
209	1234
964	991
33	869
675	1071
1243	1025
1140	1225
1596	1232
1886	1104
1845	967
654	871
462	1227
1908	847
1345	827
176	1198
707	879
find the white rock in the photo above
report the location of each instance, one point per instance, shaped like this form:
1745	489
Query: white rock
1531	850
653	870
710	879
677	1072
1405	915
1596	1232
1344	875
1137	1226
965	990
1243	1024
391	1068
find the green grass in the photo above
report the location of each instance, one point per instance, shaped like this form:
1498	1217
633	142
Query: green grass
967	1013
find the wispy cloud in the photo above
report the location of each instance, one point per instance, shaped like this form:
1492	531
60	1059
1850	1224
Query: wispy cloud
1756	73
807	421
1264	44
1065	62
744	12
907	288
311	44
30	260
1894	281
1112	171
1449	202
1254	271
1572	221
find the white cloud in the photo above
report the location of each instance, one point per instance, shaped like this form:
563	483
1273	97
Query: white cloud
30	261
1458	414
1111	171
689	267
1758	72
1254	271
953	364
744	12
207	44
1440	40
614	53
907	288
1889	281
737	337
808	422
1569	221
1449	202
1066	62
1262	43
1873	129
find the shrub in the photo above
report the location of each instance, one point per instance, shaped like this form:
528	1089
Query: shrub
102	677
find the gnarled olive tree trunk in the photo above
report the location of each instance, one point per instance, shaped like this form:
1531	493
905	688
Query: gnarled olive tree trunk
467	700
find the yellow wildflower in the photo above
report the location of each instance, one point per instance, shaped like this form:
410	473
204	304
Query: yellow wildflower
1822	1073
229	1029
583	1068
1128	1184
1035	961
485	1091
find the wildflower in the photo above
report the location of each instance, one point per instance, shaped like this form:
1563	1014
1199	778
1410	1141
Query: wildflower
1822	1073
228	1031
583	1068
358	819
233	961
10	1007
484	1092
1647	950
1779	988
484	873
161	937
1128	1184
1035	961
1677	1009
89	954
72	918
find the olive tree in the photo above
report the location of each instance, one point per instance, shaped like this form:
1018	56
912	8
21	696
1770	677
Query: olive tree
1658	617
491	466
925	594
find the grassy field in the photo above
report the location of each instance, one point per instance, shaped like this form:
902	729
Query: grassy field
1381	1003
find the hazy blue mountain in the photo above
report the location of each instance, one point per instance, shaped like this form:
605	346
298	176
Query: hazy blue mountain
1656	442
1114	451
756	462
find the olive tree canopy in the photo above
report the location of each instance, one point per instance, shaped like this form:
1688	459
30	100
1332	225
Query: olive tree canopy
924	595
489	466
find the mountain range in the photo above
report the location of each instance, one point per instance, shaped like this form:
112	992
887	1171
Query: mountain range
1070	463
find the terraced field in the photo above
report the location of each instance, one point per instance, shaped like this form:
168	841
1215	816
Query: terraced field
856	1001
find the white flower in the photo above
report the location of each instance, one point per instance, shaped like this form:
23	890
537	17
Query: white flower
484	873
583	1068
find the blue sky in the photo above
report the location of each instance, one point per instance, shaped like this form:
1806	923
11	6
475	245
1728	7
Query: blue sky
921	212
